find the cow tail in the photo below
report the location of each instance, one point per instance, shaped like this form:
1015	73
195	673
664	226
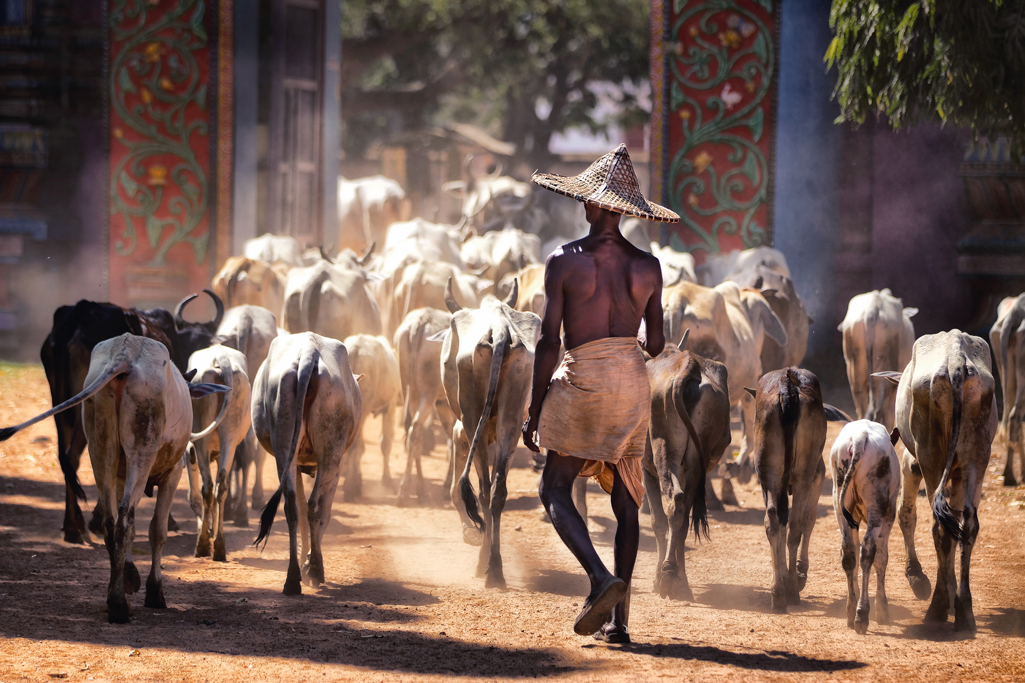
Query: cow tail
228	378
465	487
941	509
122	365
307	365
857	450
699	510
790	411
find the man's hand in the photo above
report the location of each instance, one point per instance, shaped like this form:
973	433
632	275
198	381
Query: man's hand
530	434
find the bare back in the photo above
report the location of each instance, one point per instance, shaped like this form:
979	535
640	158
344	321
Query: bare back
601	286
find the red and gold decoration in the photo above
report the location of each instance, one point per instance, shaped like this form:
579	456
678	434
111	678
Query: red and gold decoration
713	73
167	108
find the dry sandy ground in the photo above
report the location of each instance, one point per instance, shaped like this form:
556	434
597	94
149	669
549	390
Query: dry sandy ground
402	602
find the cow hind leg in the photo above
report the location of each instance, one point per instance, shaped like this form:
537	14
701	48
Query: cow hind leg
674	579
293	580
157	538
318	515
868	557
964	617
353	487
659	523
882	559
774	532
940	604
387	437
459	452
806	514
907	515
495	577
75	529
849	560
1009	479
484	499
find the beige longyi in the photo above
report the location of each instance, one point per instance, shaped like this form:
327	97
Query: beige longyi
597	408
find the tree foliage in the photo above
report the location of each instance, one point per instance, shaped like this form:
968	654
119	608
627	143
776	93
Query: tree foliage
523	69
961	61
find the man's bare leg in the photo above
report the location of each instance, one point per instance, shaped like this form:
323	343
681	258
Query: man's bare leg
607	590
628	533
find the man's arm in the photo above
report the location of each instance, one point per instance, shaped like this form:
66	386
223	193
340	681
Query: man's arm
653	335
546	354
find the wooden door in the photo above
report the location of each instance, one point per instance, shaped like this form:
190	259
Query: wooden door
295	125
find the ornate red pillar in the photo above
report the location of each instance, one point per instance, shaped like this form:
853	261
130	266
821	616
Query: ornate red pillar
713	74
170	124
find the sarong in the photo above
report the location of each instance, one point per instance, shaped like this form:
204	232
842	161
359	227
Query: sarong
597	409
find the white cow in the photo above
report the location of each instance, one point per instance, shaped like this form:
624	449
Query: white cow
877	336
275	249
866	479
441	242
719	267
501	252
1007	339
137	416
330	300
230	423
306	412
366	207
677	266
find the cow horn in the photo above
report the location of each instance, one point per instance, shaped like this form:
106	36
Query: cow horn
180	308
496	173
514	293
683	342
362	258
323	254
450	299
219	305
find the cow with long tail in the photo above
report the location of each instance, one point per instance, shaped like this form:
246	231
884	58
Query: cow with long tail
307	411
137	416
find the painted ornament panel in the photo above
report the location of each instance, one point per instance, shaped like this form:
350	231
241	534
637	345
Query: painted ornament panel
715	90
161	123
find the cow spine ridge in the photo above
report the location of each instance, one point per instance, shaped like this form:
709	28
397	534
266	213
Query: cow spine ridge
857	449
307	365
941	509
789	412
465	487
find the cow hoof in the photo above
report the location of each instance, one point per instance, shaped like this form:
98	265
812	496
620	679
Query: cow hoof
293	588
258	503
241	519
802	580
171	524
154	594
920	585
203	547
779	606
494	579
76	536
220	555
937	613
964	620
472	536
728	496
388	483
793	597
117	611
133	582
860	627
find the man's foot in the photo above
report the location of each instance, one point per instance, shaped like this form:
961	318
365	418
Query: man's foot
612	635
598	606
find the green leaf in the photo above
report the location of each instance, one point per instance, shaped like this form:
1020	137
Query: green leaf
199	244
675	96
154	228
190	190
756	122
127	182
124	80
196	21
200	97
750	169
761	47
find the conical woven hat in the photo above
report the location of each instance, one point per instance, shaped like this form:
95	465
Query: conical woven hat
611	183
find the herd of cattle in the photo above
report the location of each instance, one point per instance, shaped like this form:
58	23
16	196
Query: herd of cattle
440	325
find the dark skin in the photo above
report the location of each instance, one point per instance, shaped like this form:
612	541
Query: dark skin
597	287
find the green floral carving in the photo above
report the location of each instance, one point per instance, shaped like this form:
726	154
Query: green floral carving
156	64
704	63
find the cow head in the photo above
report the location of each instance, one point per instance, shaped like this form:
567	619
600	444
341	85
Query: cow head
191	337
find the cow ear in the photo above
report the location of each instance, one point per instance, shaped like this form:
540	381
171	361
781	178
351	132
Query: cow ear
894	436
834	414
750	391
774	326
890	375
910	311
205	389
438	336
683	341
190	374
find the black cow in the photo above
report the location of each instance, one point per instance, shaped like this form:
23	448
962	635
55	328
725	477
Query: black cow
65	355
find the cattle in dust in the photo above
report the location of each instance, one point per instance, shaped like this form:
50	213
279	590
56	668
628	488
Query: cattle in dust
277	250
779	291
877	336
381	391
245	281
728	325
677	266
689	431
725	266
487	361
423	395
496	201
866	479
65	356
501	252
789	435
947	418
366	207
229	420
250	330
1007	339
531	287
330	300
306	412
423	285
434	241
136	415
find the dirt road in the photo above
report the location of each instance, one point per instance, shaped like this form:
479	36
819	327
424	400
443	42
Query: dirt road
401	602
